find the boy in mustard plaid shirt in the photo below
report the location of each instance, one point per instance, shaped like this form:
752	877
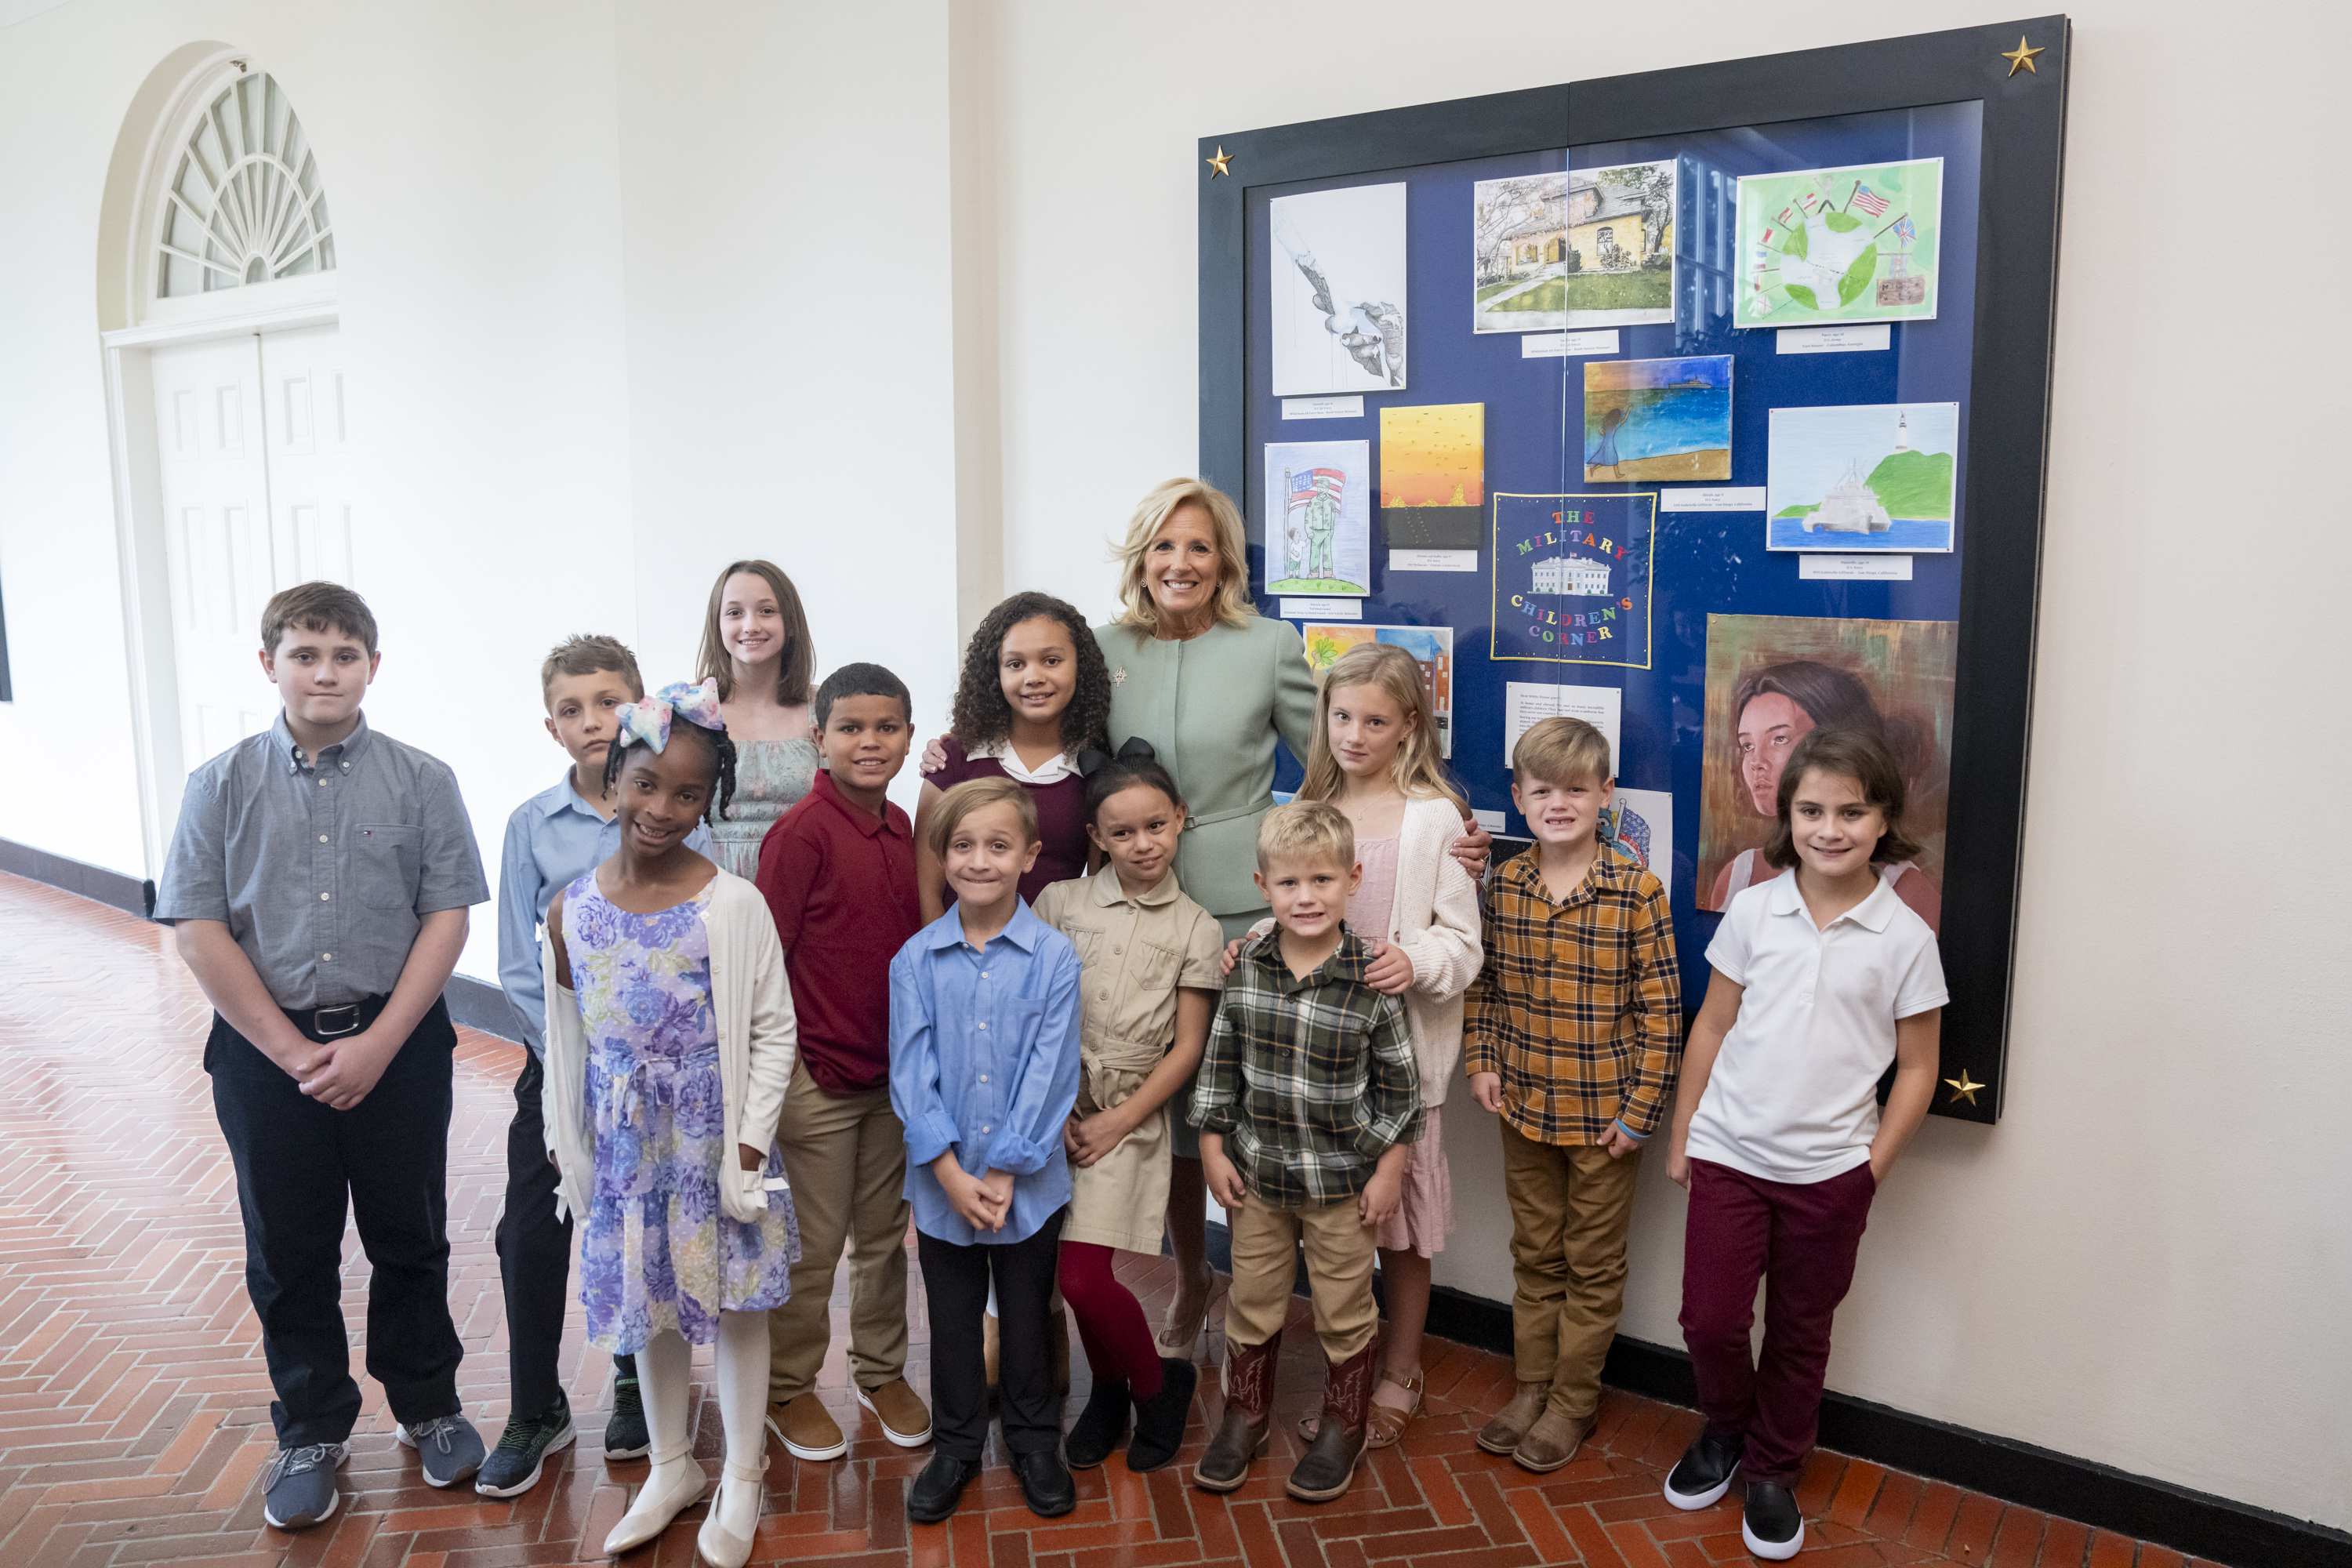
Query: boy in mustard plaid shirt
1573	1033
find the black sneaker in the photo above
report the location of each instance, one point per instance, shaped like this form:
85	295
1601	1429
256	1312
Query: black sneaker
1703	1472
1770	1523
297	1490
514	1465
625	1436
448	1449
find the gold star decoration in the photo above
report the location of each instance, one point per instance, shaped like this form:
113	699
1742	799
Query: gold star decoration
2018	56
1217	165
1964	1088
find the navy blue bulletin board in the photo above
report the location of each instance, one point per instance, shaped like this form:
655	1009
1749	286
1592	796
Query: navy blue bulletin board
1958	96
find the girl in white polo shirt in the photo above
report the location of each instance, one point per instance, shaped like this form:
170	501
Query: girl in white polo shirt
1820	979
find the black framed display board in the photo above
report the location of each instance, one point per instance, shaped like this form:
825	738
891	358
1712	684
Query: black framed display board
1710	404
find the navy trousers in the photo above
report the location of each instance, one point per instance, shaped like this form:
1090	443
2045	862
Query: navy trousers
300	1167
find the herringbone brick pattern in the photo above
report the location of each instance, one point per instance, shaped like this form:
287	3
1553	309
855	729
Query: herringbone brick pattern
133	1407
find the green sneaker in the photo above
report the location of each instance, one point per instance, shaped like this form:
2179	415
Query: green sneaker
514	1465
625	1436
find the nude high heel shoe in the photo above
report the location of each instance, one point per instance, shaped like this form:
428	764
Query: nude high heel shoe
671	1488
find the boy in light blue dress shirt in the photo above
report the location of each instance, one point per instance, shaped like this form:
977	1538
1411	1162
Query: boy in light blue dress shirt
551	838
985	1072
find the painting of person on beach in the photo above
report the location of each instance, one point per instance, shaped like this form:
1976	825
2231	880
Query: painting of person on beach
1773	679
1651	420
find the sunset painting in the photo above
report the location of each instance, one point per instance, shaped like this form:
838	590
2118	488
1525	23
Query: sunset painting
1434	476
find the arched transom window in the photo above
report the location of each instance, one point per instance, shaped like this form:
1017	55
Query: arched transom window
244	204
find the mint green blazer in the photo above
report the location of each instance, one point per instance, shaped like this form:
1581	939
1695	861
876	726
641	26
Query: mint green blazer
1211	709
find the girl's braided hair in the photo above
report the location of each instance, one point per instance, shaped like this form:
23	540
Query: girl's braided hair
722	752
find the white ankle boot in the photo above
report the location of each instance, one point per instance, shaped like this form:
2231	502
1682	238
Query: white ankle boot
671	1488
726	1538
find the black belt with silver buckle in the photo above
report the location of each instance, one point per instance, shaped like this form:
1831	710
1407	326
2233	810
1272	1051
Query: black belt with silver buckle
332	1023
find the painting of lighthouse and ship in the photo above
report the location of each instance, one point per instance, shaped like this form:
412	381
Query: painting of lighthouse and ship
1874	477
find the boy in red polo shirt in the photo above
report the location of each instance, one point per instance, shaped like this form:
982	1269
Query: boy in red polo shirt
838	870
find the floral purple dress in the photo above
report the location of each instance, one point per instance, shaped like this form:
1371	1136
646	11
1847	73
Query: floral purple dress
657	1253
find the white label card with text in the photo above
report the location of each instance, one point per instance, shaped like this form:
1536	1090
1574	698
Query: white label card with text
1854	568
1835	339
1524	702
1432	561
1323	407
1322	609
1710	498
1574	345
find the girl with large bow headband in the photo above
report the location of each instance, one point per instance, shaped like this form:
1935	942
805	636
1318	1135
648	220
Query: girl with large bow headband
651	720
667	1002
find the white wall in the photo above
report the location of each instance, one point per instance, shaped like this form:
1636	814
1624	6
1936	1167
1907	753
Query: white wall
2146	1263
630	289
594	346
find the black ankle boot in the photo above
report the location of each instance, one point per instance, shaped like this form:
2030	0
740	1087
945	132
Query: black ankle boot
1159	1420
1094	1434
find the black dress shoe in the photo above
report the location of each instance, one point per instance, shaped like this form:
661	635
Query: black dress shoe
939	1487
1770	1523
1045	1484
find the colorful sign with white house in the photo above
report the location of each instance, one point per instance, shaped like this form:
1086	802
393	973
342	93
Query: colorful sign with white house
1572	578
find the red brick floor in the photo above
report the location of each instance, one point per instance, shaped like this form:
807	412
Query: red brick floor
133	1407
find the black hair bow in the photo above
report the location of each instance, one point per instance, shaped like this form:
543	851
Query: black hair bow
1091	761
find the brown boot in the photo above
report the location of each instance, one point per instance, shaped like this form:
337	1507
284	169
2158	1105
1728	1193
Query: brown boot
1328	1466
1552	1441
1502	1434
1247	1425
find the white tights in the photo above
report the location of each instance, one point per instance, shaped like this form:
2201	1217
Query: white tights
664	1372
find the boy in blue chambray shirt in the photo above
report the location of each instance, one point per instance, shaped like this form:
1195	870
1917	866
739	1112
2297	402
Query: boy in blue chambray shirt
552	839
985	1072
318	885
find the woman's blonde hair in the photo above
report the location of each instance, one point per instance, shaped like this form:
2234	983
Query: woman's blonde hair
1418	769
1234	605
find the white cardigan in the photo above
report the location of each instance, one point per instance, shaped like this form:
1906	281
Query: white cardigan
1434	918
758	1040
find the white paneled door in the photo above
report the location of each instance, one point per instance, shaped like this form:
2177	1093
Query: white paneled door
251	436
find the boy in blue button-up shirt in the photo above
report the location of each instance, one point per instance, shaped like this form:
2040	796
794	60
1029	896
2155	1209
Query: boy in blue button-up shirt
985	1072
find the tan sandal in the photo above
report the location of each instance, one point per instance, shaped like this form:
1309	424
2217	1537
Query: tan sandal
1172	1340
1383	1424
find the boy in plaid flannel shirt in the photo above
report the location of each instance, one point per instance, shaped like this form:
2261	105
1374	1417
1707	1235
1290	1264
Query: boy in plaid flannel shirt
1573	1033
1308	1101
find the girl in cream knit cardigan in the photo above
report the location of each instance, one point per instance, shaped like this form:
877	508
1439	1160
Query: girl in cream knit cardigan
669	1040
1376	757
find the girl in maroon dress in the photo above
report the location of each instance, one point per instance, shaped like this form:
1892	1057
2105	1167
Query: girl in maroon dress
1033	696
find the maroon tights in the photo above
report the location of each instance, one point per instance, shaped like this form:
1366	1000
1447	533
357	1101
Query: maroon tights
1110	1320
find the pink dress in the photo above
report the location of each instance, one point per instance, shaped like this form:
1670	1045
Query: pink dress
1426	1214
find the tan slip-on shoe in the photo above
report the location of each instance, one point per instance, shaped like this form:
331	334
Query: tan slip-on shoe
1552	1441
806	1428
903	1416
1502	1434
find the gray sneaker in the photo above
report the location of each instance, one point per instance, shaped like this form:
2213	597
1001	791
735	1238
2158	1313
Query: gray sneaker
514	1465
297	1490
447	1447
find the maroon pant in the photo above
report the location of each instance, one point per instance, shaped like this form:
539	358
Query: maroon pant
1800	1240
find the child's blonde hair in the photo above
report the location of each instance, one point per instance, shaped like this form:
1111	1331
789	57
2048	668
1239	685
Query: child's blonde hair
1561	751
1306	830
1417	769
977	795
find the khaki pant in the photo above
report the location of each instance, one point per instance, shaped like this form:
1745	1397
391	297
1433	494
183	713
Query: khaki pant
1571	1205
845	1157
1338	1275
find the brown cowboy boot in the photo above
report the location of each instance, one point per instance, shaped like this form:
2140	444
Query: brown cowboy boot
1325	1471
1247	1425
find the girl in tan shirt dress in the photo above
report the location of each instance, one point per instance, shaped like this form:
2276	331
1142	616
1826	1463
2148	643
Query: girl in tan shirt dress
1150	958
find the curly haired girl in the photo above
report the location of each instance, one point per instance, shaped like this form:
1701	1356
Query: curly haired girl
1033	695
